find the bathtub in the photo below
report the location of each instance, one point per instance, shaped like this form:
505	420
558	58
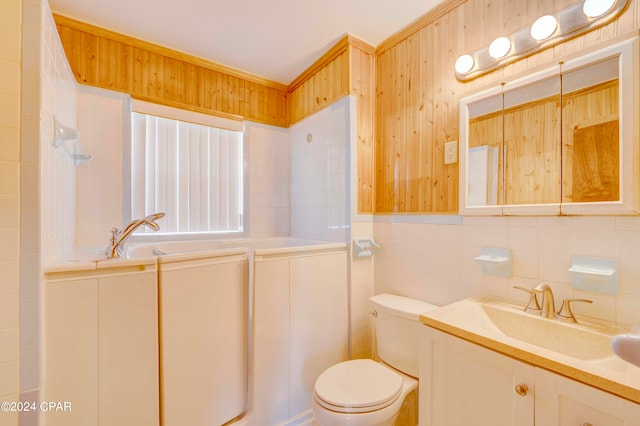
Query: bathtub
141	249
293	295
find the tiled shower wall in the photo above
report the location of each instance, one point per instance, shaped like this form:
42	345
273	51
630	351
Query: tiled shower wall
268	159
58	96
47	225
10	202
320	174
434	262
101	115
30	226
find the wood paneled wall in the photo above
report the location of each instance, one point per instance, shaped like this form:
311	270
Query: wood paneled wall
362	86
113	61
109	60
417	93
348	68
324	82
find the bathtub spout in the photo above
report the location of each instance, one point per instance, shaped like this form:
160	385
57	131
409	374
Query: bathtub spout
118	237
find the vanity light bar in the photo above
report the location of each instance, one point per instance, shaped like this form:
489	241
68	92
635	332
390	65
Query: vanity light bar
546	31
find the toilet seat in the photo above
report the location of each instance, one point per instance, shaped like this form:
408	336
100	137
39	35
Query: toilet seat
357	386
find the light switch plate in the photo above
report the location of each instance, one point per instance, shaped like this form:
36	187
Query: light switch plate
451	152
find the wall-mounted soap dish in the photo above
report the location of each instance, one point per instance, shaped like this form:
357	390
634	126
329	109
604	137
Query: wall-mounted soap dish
595	274
62	134
495	261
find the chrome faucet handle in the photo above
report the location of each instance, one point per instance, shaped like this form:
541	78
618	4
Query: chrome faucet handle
533	307
565	314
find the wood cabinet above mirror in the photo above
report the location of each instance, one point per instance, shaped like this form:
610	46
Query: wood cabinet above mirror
560	141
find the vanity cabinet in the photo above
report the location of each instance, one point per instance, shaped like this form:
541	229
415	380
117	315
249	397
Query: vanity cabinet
101	346
561	401
462	383
466	384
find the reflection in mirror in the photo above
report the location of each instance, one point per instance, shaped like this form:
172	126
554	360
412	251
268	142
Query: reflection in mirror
532	143
484	162
590	133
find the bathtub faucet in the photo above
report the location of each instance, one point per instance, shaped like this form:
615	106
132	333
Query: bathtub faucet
118	237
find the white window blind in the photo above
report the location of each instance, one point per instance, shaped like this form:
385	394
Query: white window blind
191	172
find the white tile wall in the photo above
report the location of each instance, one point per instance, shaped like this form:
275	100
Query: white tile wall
361	291
30	198
434	262
320	174
101	115
268	160
46	181
10	66
58	97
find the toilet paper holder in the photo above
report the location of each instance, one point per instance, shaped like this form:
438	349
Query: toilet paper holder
365	247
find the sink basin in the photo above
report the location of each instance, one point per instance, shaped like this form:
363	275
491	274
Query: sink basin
507	323
627	347
575	341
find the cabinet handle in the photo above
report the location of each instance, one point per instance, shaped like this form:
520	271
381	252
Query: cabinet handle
586	424
522	389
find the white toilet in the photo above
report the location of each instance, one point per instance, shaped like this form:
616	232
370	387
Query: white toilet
363	392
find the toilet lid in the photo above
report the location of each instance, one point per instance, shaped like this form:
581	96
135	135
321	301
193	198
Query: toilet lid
358	384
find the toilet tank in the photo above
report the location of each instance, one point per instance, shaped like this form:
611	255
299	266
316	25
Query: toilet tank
397	324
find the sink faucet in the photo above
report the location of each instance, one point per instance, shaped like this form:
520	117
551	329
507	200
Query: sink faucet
118	237
548	303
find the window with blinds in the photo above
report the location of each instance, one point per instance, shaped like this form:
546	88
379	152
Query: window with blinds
191	172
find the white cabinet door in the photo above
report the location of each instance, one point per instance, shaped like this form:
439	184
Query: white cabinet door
71	351
128	385
101	347
319	323
564	402
300	330
465	384
203	318
271	337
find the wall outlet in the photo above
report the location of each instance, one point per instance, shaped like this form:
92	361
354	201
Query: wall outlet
451	152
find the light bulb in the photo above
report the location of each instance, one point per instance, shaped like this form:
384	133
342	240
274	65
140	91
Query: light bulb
595	8
499	47
464	64
543	27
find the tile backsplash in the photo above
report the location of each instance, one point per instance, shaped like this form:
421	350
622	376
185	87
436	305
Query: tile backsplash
434	262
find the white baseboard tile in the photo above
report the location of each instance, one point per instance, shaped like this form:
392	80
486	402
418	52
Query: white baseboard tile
303	419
